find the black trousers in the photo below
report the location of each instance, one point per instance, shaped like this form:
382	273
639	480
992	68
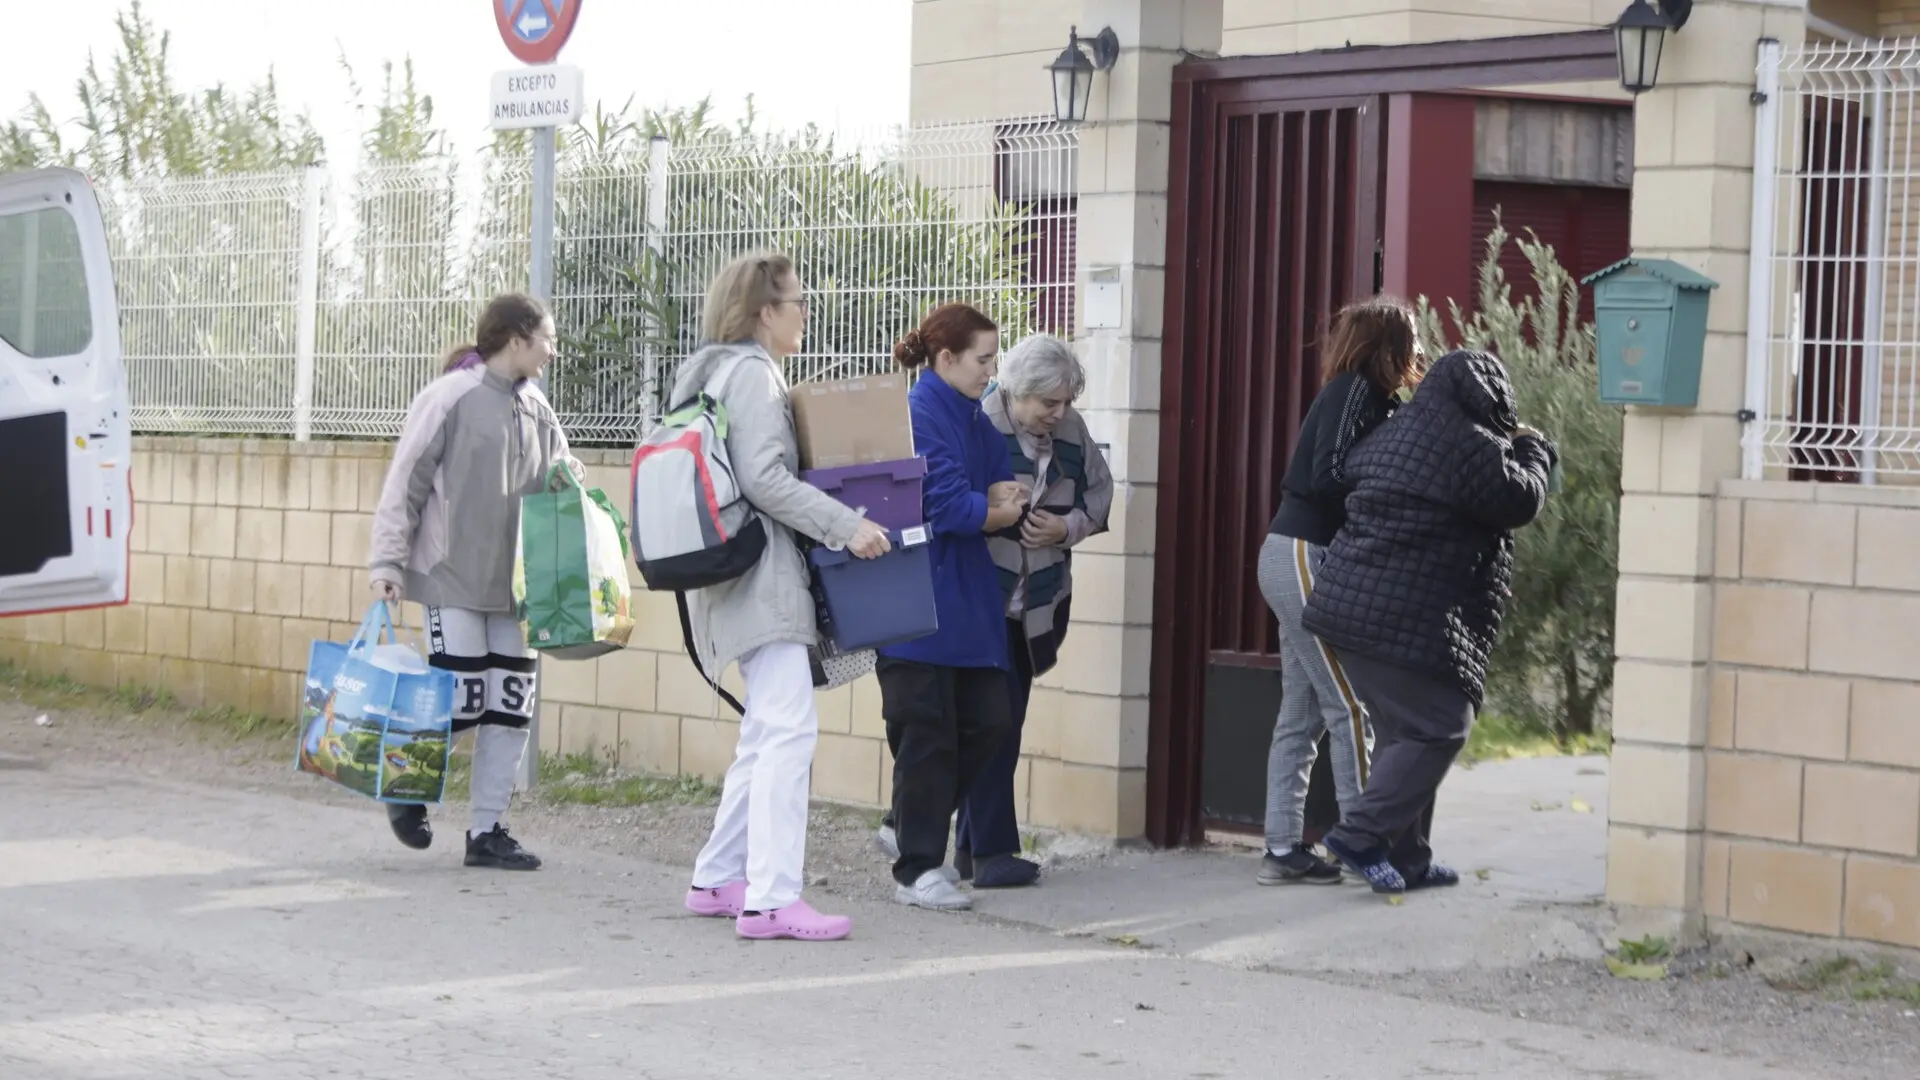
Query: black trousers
944	725
988	823
1420	725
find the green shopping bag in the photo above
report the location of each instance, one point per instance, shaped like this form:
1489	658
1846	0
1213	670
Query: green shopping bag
570	582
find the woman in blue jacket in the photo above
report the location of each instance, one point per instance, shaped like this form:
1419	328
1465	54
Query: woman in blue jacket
944	696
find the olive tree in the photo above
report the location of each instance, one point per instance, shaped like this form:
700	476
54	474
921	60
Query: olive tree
1553	667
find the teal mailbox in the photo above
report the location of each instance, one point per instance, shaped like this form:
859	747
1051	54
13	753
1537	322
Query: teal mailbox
1650	316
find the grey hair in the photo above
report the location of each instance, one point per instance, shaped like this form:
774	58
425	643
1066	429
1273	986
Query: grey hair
1042	364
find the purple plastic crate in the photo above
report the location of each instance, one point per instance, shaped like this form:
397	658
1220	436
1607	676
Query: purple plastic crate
875	602
888	492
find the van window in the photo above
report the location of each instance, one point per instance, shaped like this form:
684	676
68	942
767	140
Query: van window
44	307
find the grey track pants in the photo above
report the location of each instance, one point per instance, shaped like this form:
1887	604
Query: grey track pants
1315	697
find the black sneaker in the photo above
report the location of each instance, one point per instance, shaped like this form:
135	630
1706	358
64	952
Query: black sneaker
1005	872
409	821
1297	867
499	851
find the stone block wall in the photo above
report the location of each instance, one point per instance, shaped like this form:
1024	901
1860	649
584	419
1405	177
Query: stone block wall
1692	200
975	59
245	552
1812	762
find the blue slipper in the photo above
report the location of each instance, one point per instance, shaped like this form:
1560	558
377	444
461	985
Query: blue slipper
1372	865
1435	877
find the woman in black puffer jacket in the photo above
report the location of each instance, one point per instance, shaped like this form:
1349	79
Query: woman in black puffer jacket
1412	593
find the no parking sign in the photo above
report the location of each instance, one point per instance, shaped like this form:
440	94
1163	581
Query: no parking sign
536	30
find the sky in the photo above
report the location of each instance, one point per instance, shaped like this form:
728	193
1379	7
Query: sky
842	64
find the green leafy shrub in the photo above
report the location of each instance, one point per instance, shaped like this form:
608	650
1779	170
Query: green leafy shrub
874	242
1553	668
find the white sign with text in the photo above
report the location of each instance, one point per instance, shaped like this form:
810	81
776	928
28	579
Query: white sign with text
547	95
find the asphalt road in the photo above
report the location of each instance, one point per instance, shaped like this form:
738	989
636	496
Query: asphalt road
156	929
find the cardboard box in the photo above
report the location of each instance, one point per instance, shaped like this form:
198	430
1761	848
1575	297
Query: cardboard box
853	421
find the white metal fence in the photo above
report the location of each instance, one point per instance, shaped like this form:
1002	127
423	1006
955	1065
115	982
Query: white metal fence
315	303
1833	380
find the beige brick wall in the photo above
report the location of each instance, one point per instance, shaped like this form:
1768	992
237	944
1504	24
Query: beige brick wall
1812	793
1691	634
1086	733
1899	396
1280	26
245	552
985	59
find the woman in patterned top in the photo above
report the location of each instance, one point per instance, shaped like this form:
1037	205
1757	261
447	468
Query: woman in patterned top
1053	455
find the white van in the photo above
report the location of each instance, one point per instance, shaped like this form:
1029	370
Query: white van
66	431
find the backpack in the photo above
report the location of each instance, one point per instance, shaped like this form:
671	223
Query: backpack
692	528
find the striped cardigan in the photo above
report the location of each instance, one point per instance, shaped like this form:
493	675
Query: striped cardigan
1038	582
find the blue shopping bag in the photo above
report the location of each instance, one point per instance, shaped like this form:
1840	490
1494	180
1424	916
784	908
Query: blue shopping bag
375	718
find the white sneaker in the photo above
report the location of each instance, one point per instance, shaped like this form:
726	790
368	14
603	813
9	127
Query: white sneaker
934	892
888	842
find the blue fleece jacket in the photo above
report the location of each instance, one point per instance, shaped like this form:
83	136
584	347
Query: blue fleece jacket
965	456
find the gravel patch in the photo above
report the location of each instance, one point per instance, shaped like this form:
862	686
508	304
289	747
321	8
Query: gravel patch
842	858
1719	1001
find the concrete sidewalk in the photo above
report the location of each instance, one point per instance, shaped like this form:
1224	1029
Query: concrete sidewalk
1528	837
158	929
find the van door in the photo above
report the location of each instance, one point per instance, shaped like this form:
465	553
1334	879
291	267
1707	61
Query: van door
66	432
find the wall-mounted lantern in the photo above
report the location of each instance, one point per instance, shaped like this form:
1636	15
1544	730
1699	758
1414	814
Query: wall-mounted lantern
1639	35
1073	72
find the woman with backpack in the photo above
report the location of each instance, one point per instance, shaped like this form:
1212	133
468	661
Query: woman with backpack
1372	353
944	696
475	441
764	618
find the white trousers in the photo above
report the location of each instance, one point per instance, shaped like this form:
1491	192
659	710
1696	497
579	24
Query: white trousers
760	832
494	695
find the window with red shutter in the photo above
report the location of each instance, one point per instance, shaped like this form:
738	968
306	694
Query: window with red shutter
1587	227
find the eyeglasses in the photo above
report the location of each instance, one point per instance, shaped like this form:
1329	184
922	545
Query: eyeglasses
802	300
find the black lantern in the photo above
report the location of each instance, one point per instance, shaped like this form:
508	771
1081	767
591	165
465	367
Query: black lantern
1073	73
1639	36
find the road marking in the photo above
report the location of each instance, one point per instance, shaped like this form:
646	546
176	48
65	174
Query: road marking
31	863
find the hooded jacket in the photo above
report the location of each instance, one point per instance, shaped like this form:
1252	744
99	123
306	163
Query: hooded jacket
448	522
1420	574
965	455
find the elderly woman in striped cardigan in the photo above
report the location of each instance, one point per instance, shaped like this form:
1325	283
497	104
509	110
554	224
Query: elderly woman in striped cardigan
1054	456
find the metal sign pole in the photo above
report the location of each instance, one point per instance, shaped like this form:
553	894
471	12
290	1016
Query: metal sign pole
541	278
542	97
540	282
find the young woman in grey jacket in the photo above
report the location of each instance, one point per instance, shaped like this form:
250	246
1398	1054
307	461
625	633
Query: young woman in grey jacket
475	440
751	867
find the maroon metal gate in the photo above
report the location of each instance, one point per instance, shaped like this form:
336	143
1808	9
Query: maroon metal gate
1276	193
1292	235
